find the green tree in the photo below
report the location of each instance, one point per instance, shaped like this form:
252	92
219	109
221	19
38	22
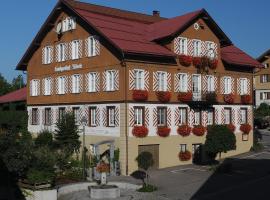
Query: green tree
219	139
4	85
17	83
145	161
44	138
262	111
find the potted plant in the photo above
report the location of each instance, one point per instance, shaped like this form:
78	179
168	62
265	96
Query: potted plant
185	96
231	127
211	97
140	131
213	63
245	128
197	62
184	130
163	96
103	168
198	130
245	99
163	131
184	155
140	95
185	60
229	98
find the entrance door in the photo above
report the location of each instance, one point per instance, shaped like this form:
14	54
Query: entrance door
154	150
196	153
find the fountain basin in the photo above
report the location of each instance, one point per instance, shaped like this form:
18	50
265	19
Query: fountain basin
104	191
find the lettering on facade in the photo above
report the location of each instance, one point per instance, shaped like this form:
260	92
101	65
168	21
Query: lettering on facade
68	67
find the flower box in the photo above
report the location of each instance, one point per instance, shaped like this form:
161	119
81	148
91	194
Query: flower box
229	98
231	127
245	128
103	167
163	131
184	130
140	131
185	96
140	95
197	62
185	60
213	63
184	156
245	99
163	96
198	130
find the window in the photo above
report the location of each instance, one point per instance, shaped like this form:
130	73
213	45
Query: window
92	116
76	113
76	83
197	48
47	86
243	86
183	147
183	46
227	85
110	80
34	87
266	65
34	116
265	95
162	81
162	116
182	116
182	82
111	116
61	48
92	50
265	78
197	117
210	117
92	79
227	116
48	55
139	79
75	49
196	87
210	84
61	85
243	115
48	120
139	116
61	113
68	24
196	148
210	49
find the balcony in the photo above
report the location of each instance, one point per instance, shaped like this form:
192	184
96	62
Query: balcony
201	99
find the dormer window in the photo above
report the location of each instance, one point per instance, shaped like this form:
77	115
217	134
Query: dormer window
183	46
197	48
68	24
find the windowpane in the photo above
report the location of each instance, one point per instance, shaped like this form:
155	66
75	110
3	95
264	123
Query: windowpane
162	81
243	117
227	85
197	47
34	116
210	84
76	83
75	49
110	80
162	116
197	117
227	115
183	147
183	46
138	116
92	116
76	114
139	79
47	116
182	116
183	82
111	116
210	117
61	113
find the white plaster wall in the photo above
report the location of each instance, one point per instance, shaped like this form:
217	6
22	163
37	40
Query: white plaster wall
258	101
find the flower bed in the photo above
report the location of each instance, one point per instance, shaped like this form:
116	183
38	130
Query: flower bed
185	96
245	128
197	61
231	127
185	60
245	99
140	131
198	130
184	156
229	98
163	96
140	95
213	63
184	130
163	131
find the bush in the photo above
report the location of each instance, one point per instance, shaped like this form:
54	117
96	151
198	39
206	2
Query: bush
44	138
35	176
147	188
145	160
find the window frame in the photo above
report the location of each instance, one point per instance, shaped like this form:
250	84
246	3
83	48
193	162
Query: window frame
48	116
47	86
159	117
76	115
183	46
61	113
34	113
180	115
200	117
139	81
227	90
92	109
241	116
34	87
75	49
230	115
48	54
244	86
213	116
162	80
110	80
183	79
76	83
210	80
109	124
183	148
199	47
142	108
92	82
61	85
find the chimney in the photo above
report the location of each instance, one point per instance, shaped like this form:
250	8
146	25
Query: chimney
156	13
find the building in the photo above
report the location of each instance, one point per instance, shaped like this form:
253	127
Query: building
262	80
133	74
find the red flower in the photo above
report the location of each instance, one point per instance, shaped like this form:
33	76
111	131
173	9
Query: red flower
184	130
231	127
140	131
184	156
163	96
197	61
198	130
103	167
163	131
245	99
185	60
140	95
245	128
229	98
213	63
185	96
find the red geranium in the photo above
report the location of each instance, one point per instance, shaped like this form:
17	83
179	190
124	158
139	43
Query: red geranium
199	130
185	96
245	128
163	131
184	130
231	127
229	98
184	156
213	63
163	96
185	60
245	99
103	167
140	131
140	95
197	61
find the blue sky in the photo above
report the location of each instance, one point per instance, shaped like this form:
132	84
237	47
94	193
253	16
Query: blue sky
245	22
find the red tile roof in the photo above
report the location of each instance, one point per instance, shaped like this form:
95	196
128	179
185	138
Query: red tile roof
233	55
18	95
